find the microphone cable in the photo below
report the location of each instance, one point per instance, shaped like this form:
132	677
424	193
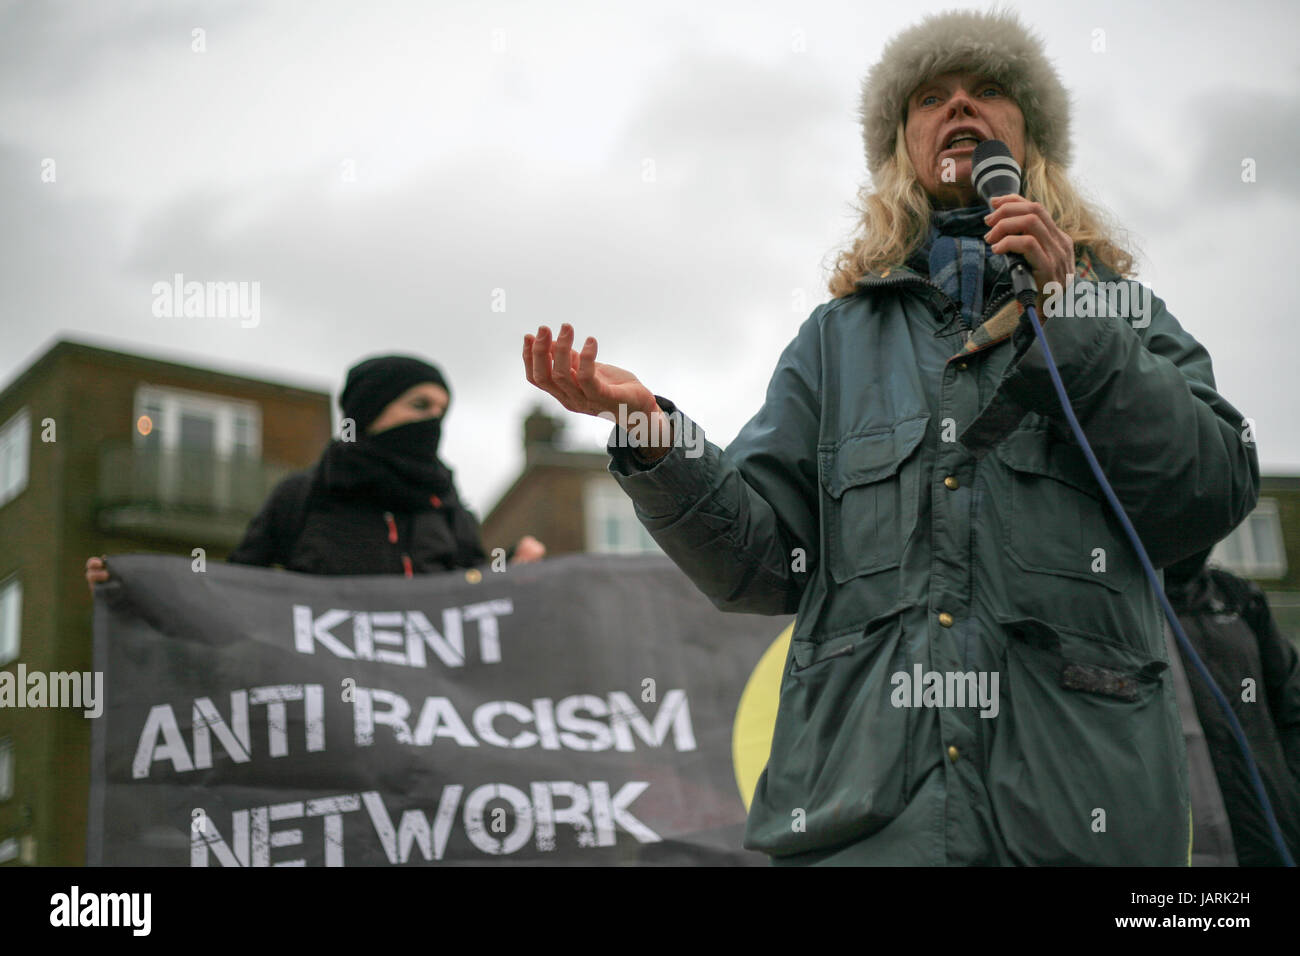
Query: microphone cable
1026	299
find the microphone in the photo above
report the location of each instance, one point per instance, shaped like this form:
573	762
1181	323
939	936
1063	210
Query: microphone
995	172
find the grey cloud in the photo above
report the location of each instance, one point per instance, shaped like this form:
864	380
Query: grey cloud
729	131
622	259
57	259
52	46
563	244
1246	124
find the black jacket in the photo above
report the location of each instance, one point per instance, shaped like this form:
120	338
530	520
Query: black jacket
1228	622
323	534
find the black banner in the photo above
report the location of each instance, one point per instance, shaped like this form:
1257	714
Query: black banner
581	710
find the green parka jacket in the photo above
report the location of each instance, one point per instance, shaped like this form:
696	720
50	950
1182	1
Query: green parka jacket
913	493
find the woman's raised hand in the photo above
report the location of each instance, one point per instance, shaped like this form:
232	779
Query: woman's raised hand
579	382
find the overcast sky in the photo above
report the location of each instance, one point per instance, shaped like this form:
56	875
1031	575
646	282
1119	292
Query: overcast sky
380	169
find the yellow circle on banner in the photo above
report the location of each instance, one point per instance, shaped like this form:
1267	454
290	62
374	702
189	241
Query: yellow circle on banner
751	734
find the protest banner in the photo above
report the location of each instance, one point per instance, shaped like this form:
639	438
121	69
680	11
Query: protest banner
580	710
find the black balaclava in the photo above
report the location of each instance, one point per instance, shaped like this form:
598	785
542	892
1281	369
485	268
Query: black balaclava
372	384
398	468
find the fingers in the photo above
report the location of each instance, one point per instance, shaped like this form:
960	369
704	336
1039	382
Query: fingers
551	364
540	363
537	362
1008	213
1018	225
560	354
564	362
528	359
1015	215
1009	234
540	359
96	572
1012	225
528	549
586	370
1027	246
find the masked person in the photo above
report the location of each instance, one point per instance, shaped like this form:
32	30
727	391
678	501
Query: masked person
381	503
1227	620
977	674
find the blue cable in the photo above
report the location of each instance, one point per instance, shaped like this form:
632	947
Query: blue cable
1160	591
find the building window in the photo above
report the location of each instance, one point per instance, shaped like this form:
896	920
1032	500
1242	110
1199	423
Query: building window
177	420
247	436
610	539
11	618
6	768
15	441
612	525
1254	548
194	449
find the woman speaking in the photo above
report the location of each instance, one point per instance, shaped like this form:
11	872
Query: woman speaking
910	490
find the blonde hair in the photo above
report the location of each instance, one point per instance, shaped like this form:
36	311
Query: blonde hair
895	218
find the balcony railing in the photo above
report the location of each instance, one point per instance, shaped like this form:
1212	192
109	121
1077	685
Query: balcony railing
181	494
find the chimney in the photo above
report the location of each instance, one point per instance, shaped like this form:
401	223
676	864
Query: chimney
541	432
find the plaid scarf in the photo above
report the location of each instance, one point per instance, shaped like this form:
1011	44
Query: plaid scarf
959	261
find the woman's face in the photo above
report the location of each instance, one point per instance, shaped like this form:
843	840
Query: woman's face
414	405
947	106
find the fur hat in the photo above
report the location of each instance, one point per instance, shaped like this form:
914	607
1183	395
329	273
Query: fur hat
994	43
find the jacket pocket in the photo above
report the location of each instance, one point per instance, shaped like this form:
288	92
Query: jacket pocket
1060	522
870	500
838	765
1086	764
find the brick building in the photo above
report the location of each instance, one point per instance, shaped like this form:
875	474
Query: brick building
104	452
566	498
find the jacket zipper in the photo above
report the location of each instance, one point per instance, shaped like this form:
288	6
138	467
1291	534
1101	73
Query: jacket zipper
392	539
904	276
996	304
911	278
